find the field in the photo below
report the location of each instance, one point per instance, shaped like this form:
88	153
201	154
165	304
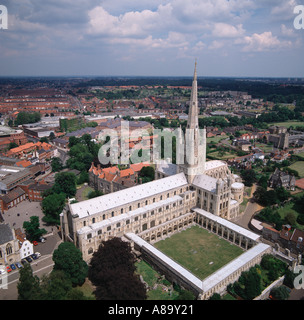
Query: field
298	166
288	124
219	156
199	251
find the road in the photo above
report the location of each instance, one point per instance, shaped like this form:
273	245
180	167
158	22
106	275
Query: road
41	266
250	210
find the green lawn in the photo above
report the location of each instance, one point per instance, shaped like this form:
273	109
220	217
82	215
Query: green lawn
199	251
216	139
158	287
298	166
287	124
226	155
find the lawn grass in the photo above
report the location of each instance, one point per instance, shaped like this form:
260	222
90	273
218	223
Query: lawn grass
216	139
157	286
199	251
226	156
287	124
298	166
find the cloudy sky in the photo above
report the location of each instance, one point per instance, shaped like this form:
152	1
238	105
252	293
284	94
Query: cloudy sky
245	38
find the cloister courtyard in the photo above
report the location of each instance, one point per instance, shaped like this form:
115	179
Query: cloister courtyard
199	251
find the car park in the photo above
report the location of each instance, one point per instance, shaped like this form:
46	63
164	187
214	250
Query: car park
13	267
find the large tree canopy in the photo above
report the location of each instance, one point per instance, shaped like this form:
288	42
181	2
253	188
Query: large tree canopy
112	271
68	258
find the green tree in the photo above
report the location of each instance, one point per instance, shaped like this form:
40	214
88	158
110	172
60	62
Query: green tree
65	182
249	177
147	174
56	164
32	229
52	206
280	293
114	257
28	284
68	258
55	286
12	145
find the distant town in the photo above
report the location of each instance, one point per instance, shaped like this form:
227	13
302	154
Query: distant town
57	198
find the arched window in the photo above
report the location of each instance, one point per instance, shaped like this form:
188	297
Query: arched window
90	251
9	249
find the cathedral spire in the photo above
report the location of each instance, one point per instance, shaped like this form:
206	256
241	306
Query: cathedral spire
193	109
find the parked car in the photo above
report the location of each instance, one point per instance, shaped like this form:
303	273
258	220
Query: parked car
34	256
13	267
38	254
19	265
41	239
28	259
24	262
8	269
35	243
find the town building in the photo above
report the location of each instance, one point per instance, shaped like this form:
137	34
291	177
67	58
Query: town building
282	179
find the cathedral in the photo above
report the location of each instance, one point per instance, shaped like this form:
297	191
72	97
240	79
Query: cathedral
163	206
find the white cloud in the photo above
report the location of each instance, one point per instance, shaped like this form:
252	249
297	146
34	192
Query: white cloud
262	42
224	30
133	23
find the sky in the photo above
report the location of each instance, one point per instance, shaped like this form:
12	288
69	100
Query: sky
229	38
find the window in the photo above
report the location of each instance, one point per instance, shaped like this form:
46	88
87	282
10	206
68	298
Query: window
93	220
112	214
109	228
118	225
121	210
138	206
128	222
89	236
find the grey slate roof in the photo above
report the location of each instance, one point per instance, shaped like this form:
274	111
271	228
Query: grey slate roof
6	233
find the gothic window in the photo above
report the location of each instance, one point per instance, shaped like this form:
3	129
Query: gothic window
9	249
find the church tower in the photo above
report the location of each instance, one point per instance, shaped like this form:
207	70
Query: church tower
195	144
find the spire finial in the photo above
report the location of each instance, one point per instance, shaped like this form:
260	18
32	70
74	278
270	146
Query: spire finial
195	73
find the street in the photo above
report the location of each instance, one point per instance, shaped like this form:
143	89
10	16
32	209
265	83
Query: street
41	266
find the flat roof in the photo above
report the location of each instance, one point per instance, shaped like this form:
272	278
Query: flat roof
232	266
126	196
232	226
